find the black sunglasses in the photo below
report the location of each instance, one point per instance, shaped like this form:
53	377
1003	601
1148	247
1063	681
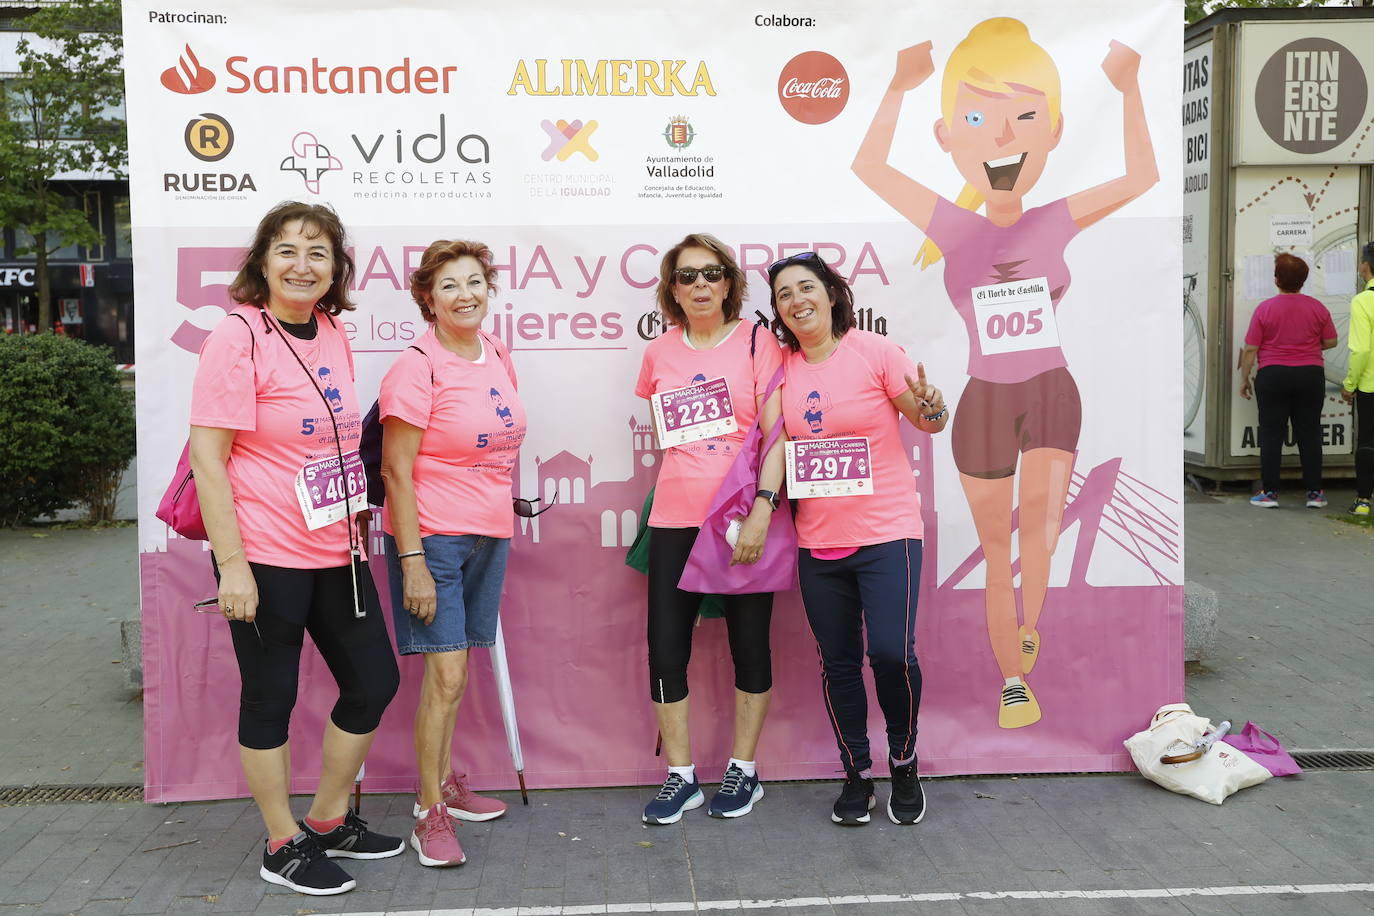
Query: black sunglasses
793	259
525	507
688	275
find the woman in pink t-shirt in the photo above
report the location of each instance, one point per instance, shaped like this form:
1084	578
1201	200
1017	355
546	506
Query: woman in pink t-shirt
453	423
701	291
1006	276
859	524
274	415
1288	334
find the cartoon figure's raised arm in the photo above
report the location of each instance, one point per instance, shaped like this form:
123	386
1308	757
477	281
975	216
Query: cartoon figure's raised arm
909	197
1122	66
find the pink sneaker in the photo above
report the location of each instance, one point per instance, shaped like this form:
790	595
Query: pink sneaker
464	804
435	840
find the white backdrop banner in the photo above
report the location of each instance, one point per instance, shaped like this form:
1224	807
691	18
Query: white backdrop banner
581	141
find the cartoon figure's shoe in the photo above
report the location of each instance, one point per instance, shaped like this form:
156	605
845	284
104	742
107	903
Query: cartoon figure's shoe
1019	707
1030	649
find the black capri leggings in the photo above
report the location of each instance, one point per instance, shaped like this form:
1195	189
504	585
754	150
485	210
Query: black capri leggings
672	613
292	602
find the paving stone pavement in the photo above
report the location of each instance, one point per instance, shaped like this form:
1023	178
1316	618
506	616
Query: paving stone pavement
1295	633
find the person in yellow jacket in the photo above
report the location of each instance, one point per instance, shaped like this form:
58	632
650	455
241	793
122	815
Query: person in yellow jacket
1359	382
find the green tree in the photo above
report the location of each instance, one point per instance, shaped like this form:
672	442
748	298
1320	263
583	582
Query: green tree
1193	10
61	119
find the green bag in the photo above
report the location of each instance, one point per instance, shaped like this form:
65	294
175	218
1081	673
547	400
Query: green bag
637	557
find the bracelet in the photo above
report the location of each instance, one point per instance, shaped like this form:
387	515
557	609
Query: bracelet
221	561
410	553
936	416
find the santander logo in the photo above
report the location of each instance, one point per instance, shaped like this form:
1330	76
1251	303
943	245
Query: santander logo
188	77
813	87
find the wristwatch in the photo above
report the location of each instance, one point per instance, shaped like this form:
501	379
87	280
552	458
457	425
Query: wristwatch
769	495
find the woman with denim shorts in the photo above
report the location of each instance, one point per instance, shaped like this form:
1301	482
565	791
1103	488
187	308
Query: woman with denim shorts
453	423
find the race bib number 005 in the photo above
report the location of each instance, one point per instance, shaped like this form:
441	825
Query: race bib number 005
325	495
693	413
1014	317
829	467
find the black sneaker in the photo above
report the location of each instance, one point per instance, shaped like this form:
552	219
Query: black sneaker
855	801
907	804
302	866
352	840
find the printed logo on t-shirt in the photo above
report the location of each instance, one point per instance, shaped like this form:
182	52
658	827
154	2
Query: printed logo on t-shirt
498	402
813	407
331	392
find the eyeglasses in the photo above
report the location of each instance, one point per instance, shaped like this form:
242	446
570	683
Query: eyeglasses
525	507
688	275
211	606
802	258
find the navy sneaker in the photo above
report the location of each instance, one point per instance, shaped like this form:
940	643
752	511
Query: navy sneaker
302	866
676	796
736	795
907	805
855	801
352	840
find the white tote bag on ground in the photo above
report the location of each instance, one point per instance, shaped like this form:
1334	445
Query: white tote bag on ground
1165	753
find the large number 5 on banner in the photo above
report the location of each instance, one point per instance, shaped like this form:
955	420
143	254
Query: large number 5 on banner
192	265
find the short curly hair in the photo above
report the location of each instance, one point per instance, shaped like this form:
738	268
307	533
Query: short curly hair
1290	272
436	256
250	286
734	299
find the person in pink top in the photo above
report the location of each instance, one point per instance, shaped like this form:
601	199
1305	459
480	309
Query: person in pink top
708	348
453	423
859	526
274	451
1006	276
1288	334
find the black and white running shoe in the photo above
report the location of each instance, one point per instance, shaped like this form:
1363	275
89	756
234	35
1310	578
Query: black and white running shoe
302	866
352	840
907	804
855	801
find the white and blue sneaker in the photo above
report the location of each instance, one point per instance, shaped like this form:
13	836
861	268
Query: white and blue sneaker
1265	499
736	795
676	796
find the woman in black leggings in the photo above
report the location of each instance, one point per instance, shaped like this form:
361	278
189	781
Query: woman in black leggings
700	293
274	450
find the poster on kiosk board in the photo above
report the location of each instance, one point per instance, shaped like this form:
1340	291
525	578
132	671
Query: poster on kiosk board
1000	185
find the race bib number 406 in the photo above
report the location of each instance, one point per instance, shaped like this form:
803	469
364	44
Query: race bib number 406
325	495
1017	316
829	467
693	413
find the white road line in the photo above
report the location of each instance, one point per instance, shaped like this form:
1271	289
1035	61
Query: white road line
686	906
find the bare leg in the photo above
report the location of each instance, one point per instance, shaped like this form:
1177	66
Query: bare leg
750	711
446	678
990	502
344	753
269	779
1045	474
672	725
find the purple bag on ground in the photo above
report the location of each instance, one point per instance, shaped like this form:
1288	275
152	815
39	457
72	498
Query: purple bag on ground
708	570
1264	749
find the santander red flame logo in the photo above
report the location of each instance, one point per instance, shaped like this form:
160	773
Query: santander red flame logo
188	77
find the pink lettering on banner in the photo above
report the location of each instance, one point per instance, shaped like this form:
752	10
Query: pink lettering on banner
195	294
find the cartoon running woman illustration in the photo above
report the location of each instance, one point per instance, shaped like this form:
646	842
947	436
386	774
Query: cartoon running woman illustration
1005	274
498	401
331	392
814	411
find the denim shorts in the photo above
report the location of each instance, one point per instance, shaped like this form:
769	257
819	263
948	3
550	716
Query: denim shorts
468	571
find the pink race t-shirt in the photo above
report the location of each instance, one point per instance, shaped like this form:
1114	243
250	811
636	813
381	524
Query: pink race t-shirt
692	472
1289	329
249	382
990	276
473	424
849	393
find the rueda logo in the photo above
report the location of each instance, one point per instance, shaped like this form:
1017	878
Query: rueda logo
813	87
1311	95
568	137
188	77
310	159
209	137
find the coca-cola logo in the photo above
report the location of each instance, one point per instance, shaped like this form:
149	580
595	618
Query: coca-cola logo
813	87
188	77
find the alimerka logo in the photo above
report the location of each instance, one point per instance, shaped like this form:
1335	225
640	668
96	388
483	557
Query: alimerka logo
188	77
609	77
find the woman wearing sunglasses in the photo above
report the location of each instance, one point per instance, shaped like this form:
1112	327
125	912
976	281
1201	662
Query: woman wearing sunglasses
725	364
453	423
858	519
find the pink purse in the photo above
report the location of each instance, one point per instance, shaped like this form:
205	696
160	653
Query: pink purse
180	507
708	569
